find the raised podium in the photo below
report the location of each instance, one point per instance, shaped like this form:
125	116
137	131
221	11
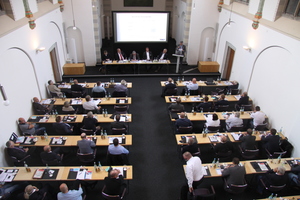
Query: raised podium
178	61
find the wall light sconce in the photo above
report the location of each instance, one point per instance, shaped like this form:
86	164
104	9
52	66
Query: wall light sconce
6	101
40	49
247	48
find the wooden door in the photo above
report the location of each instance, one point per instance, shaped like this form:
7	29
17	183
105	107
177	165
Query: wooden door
55	67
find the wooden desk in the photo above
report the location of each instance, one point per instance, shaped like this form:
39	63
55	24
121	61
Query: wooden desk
104	101
284	198
208	66
248	167
92	85
63	173
71	140
79	118
201	116
74	69
200	83
206	140
197	99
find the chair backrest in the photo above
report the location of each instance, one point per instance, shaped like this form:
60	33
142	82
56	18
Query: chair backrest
274	188
234	91
87	131
204	193
250	154
121	109
187	129
50	163
98	94
120	159
175	111
53	94
171	91
207	109
213	128
86	158
113	197
261	127
194	92
236	128
247	107
76	94
118	131
119	94
222	108
237	189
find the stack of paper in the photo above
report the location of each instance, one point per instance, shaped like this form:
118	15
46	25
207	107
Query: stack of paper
262	166
46	101
237	97
7	175
236	136
84	174
57	140
76	101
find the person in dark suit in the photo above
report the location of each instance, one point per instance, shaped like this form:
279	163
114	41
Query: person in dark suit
182	121
147	55
39	108
244	100
89	122
205	105
77	87
294	176
275	177
114	183
271	141
120	55
33	193
248	140
48	155
17	152
117	123
224	146
192	147
134	56
178	107
85	145
105	57
222	101
170	86
234	174
62	128
162	56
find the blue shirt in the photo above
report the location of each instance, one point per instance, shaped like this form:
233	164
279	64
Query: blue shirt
98	89
71	195
117	150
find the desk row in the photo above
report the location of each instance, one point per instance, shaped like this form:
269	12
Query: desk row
199	99
200	83
93	84
80	101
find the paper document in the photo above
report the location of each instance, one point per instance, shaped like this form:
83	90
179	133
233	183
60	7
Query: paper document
76	101
97	101
262	166
28	140
196	99
46	101
110	139
237	97
57	141
204	170
219	172
81	175
236	136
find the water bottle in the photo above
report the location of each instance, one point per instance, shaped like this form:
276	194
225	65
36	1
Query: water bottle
218	162
46	136
105	134
182	78
99	165
95	166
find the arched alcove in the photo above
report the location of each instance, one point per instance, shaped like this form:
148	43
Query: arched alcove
206	44
75	44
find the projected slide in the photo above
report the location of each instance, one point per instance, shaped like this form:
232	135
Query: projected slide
141	27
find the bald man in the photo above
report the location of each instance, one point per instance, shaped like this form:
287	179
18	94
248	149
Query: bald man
49	155
224	146
77	87
66	194
17	152
32	192
39	108
114	183
85	146
30	128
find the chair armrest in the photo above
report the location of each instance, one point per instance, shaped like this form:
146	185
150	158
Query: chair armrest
24	158
212	189
263	183
123	193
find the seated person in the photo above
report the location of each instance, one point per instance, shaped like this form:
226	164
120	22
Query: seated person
39	108
114	183
258	117
121	87
89	122
248	140
62	128
53	89
67	107
275	177
85	145
116	148
206	106
271	141
90	104
244	100
233	120
48	155
295	173
17	152
224	146
98	88
234	174
66	194
170	86
105	57
192	147
117	123
177	107
212	120
192	85
30	128
7	188
77	87
235	85
134	56
162	56
182	121
33	193
222	101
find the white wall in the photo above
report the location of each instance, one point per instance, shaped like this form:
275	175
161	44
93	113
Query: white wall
179	7
274	82
19	10
204	14
269	10
24	72
158	5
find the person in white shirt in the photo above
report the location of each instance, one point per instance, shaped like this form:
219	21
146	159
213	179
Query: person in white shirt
258	117
90	105
212	120
233	120
193	173
193	85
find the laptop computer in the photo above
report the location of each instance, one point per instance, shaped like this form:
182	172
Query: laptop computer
210	81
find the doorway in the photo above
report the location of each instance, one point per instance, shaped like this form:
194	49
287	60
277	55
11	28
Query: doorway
54	63
228	63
